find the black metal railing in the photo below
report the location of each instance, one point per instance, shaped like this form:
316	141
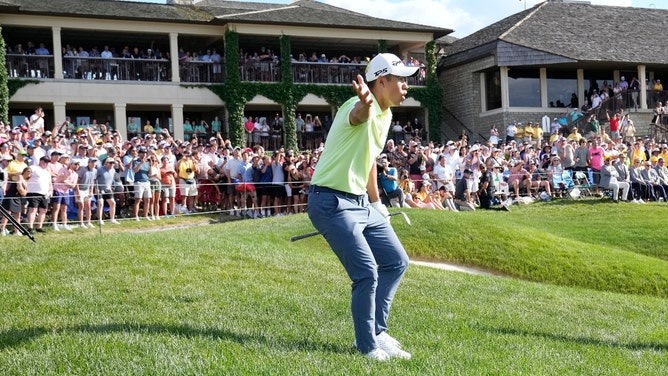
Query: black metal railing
30	66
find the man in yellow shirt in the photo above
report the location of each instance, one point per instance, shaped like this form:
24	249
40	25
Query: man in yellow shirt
537	135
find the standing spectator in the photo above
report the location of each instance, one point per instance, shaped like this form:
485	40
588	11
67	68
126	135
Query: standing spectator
84	192
596	154
37	120
168	180
105	188
142	186
187	171
614	124
249	127
65	182
39	190
511	131
156	186
17	189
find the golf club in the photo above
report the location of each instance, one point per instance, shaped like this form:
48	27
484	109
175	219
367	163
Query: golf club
16	224
314	233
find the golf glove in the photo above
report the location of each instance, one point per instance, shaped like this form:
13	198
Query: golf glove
380	208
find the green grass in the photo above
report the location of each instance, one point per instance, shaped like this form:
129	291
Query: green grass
583	293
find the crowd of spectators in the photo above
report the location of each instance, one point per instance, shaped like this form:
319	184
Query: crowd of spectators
88	174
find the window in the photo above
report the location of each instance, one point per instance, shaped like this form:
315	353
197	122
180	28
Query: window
562	88
524	87
492	90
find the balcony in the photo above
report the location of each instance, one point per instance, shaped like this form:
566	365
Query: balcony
159	70
30	66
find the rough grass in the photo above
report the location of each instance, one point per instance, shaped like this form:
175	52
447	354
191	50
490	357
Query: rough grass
238	298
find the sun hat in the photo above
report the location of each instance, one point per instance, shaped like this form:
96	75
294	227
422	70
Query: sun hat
384	64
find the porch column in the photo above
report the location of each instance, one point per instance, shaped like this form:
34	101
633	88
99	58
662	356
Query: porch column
57	54
643	86
177	121
174	56
505	92
543	87
121	119
58	112
581	87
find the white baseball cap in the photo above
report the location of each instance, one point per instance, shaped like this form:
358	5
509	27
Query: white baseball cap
384	64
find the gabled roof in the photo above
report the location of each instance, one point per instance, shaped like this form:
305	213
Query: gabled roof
107	9
576	32
307	13
301	12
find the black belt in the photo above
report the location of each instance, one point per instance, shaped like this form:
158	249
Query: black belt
318	189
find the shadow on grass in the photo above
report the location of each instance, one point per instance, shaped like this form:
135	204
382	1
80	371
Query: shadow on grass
16	337
634	346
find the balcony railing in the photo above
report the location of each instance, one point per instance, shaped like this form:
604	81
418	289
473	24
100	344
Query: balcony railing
156	70
30	66
318	73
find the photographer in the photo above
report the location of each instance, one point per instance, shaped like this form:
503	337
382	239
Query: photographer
37	120
389	181
187	170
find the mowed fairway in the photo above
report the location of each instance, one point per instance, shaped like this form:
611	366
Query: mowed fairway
581	290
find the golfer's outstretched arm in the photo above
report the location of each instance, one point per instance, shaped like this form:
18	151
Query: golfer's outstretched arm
360	113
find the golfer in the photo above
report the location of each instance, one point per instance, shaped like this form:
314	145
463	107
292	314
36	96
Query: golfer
344	203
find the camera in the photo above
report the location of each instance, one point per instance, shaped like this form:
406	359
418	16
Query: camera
189	170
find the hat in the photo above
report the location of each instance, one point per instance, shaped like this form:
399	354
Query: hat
45	159
654	159
22	152
99	142
450	143
31	146
468	171
212	139
475	147
384	64
401	142
142	149
92	160
55	152
47	133
7	158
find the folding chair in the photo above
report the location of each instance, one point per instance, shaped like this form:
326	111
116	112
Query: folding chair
583	183
564	183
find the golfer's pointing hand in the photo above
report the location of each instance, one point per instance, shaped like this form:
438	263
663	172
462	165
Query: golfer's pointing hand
363	92
360	113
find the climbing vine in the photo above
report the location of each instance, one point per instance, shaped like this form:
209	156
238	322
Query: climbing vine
236	94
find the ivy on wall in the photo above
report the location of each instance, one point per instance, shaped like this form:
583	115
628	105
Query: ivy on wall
236	94
4	90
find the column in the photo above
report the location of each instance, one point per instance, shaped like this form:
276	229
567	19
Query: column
121	119
58	113
643	86
543	87
581	87
174	55
57	54
177	120
505	92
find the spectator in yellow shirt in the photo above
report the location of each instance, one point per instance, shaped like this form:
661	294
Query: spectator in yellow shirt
575	135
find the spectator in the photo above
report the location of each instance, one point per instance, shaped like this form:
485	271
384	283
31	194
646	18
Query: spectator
65	182
39	190
104	182
154	176
609	180
84	192
463	197
168	180
389	178
142	186
187	170
640	187
17	189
